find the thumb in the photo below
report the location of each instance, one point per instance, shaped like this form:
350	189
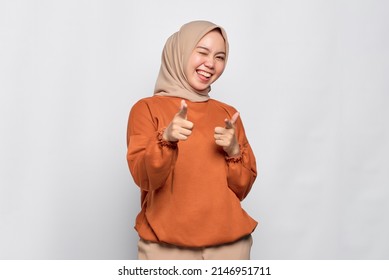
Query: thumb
183	110
230	123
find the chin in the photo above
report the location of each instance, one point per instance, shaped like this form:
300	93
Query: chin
202	87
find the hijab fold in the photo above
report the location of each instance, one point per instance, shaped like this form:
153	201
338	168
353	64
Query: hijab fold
178	48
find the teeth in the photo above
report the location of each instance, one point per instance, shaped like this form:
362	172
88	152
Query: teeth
205	74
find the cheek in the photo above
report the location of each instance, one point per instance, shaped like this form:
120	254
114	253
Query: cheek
190	67
220	68
196	61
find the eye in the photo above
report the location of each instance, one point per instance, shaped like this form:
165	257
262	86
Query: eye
222	58
202	53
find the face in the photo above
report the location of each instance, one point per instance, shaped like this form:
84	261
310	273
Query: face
207	61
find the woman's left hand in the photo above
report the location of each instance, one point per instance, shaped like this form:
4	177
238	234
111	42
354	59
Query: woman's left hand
226	138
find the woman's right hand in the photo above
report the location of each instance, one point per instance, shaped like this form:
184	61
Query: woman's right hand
179	128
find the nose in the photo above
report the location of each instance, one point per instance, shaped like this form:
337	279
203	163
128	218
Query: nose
209	62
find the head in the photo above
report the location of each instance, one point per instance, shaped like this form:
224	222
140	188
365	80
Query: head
207	61
192	59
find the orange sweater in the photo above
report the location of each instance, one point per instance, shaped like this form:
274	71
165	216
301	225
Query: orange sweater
190	191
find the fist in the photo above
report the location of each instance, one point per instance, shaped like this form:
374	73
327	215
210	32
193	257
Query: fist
179	128
225	137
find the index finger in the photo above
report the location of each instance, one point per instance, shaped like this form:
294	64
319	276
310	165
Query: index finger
230	123
183	109
234	117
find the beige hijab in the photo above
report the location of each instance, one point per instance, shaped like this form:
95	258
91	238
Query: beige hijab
171	80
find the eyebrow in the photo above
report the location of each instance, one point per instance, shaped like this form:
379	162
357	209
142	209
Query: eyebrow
205	48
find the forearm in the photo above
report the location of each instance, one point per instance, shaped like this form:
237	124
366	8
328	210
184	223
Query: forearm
151	163
241	172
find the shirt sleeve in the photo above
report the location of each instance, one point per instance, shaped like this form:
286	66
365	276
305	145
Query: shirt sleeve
241	170
150	158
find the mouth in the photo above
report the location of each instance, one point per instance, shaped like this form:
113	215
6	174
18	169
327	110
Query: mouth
204	75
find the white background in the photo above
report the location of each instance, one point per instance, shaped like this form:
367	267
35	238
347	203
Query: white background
310	79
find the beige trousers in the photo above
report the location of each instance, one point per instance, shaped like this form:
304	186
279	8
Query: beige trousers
238	250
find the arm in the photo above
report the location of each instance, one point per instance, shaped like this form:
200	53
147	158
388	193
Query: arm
240	159
241	171
150	158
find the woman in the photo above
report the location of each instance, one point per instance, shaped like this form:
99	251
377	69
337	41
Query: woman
190	157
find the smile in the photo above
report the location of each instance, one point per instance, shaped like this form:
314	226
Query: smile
203	73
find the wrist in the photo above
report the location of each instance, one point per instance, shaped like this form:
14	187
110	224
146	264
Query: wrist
163	142
166	138
234	151
164	135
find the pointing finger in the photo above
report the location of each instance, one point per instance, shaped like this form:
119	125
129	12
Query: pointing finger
230	123
234	117
183	109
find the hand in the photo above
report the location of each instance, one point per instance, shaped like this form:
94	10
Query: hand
226	137
179	128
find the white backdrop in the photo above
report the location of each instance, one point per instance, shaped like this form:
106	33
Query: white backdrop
310	79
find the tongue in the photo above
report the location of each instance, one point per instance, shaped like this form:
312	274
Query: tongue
202	74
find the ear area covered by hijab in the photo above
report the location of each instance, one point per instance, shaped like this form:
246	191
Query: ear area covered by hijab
171	79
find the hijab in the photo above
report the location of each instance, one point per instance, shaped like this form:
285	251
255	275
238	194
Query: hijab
178	48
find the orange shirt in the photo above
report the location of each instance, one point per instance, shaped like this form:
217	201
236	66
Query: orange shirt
190	190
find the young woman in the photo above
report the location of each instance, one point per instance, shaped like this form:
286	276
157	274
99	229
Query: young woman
190	157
